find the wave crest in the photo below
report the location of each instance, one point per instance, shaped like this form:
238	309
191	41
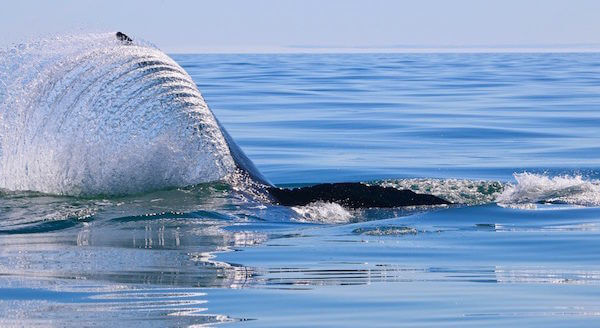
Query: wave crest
527	190
88	115
537	188
322	212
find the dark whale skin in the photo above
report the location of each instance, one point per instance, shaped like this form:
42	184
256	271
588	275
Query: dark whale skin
353	195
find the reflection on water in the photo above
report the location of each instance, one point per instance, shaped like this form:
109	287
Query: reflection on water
107	274
112	305
166	267
163	253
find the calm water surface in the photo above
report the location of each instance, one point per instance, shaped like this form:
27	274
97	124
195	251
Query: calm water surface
522	250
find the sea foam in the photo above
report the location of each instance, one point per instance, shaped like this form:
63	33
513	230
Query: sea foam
458	191
537	188
527	190
323	212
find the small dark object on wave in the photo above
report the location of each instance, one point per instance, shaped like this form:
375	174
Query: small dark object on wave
353	195
124	38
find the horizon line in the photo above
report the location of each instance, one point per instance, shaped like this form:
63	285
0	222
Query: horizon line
310	49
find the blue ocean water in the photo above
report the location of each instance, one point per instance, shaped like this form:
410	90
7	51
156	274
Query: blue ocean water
511	138
360	117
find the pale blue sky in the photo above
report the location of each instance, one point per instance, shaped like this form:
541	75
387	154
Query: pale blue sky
316	25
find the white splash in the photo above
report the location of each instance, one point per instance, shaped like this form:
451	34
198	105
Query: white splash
536	188
323	212
87	114
458	191
528	190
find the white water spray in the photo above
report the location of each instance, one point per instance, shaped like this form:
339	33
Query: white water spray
85	115
536	188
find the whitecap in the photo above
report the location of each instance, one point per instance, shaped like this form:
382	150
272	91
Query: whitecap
323	212
88	115
531	188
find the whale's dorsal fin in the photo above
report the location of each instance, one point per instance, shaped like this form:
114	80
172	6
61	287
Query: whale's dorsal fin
123	38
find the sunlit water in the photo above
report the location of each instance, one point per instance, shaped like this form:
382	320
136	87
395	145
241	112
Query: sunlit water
513	138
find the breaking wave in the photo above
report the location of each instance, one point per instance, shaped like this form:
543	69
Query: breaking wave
527	189
321	212
88	114
536	188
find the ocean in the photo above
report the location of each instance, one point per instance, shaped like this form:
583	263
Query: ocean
511	139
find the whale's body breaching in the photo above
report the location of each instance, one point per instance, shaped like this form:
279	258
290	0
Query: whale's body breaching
91	114
98	114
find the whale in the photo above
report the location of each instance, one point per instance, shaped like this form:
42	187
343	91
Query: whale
104	114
